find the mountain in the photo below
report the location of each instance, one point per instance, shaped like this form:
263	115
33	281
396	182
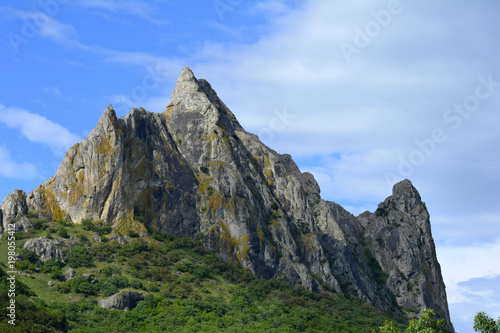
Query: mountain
194	171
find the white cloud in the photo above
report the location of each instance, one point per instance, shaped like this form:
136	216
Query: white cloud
143	9
462	264
12	169
39	23
57	31
38	129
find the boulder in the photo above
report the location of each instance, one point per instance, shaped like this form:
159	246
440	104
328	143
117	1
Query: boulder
45	248
24	224
124	300
12	207
69	274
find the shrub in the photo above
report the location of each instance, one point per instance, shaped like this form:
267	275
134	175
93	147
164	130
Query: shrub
109	289
47	266
55	273
62	222
63	232
108	271
202	272
39	224
79	257
24	265
29	255
88	225
119	281
104	229
136	284
83	286
83	238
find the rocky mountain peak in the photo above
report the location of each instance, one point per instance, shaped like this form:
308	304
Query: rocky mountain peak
107	123
405	190
197	97
185	89
406	198
193	170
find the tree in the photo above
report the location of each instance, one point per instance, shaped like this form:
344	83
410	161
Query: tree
79	257
389	328
426	323
63	232
485	324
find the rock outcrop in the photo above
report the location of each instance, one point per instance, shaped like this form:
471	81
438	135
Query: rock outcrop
69	274
23	224
124	300
45	248
13	207
194	169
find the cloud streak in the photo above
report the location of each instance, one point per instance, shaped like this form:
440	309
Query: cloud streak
142	9
11	169
465	263
38	129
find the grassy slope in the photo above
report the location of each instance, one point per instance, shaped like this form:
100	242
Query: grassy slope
188	290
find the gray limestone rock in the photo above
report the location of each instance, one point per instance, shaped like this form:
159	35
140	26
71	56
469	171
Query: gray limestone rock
124	300
23	224
45	248
12	208
69	274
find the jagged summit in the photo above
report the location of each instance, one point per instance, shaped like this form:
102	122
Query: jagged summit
193	169
405	189
197	96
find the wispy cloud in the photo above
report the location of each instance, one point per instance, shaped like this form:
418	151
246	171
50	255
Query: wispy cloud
143	9
58	31
38	129
12	169
465	263
54	90
39	24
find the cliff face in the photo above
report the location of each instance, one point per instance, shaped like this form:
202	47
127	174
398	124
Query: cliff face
193	169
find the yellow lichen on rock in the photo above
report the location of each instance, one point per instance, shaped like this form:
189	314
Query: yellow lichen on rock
52	207
169	110
226	242
243	244
127	226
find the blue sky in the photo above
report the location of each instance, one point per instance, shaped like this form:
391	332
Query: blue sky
361	95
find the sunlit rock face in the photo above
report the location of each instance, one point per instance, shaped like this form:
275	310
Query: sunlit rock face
193	170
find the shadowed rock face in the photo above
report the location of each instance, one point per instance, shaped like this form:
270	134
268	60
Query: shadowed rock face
193	168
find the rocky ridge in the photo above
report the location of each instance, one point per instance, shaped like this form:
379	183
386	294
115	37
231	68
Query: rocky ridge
193	169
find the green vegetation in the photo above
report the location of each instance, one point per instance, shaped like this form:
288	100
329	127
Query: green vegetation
188	289
427	323
377	273
32	313
485	324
